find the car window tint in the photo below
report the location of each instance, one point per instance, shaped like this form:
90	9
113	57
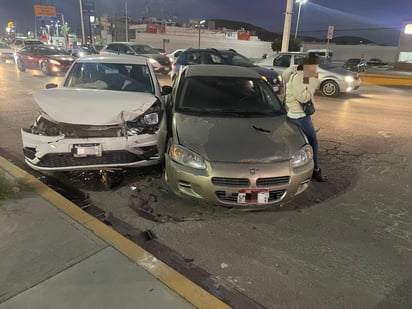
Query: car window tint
193	58
282	61
299	59
222	95
111	76
237	59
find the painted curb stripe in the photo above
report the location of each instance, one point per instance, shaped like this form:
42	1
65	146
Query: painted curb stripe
187	289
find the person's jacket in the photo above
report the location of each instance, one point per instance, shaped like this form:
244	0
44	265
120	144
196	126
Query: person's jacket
297	91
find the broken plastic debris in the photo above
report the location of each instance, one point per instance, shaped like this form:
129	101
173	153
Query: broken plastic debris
149	235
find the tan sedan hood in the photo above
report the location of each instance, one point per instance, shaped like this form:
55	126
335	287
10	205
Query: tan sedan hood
267	139
93	107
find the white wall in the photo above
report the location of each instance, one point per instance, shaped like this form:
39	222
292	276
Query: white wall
344	52
255	49
251	49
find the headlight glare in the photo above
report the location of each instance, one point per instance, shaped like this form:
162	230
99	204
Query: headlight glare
186	157
54	62
302	157
349	79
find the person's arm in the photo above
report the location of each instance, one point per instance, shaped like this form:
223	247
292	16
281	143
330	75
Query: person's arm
302	92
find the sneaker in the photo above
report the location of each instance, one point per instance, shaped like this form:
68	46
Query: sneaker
317	175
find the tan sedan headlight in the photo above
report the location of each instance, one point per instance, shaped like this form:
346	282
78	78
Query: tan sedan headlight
186	157
302	157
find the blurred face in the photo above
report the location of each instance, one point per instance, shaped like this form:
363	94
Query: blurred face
309	70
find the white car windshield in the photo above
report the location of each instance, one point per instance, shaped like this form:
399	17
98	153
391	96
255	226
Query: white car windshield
110	76
228	96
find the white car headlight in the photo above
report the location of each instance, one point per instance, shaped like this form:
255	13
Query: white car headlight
186	157
151	119
349	79
302	157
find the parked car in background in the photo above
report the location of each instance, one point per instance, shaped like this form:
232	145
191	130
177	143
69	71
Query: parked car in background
333	79
160	63
47	58
83	50
219	57
6	52
355	64
107	114
376	62
230	142
174	54
18	43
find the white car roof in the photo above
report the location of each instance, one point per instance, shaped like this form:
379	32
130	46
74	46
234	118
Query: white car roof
113	58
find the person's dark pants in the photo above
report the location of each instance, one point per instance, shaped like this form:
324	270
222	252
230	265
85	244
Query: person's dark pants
306	125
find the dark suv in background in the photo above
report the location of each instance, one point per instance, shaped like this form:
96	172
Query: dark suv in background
228	57
160	62
355	64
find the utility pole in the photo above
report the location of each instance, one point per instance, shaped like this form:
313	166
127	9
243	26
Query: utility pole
286	26
127	26
82	22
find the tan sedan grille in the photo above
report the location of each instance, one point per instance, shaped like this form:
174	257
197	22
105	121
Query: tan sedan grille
272	181
231	182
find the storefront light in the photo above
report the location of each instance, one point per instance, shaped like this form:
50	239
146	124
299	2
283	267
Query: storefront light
408	29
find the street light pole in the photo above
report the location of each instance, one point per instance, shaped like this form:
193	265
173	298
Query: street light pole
297	20
200	25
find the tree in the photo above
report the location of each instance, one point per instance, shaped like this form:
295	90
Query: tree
66	30
294	44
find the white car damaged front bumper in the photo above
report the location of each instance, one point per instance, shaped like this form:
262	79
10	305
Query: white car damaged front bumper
59	153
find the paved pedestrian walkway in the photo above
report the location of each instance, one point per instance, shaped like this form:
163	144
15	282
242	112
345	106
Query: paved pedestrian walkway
55	255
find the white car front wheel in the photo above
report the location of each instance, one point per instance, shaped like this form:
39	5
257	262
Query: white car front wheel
329	88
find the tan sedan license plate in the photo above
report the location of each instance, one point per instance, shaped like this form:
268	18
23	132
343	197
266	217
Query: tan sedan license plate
253	196
84	150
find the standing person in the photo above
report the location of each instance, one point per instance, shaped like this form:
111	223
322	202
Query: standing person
301	85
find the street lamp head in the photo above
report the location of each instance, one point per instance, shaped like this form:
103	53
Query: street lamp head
301	1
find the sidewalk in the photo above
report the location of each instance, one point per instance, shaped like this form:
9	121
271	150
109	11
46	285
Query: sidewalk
54	255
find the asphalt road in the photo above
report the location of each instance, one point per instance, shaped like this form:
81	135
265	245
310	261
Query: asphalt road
346	243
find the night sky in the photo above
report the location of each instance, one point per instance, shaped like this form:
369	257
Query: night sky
378	20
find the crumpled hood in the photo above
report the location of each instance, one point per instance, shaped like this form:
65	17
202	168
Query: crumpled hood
235	139
93	107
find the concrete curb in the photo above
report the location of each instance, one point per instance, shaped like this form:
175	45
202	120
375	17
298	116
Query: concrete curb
386	79
187	289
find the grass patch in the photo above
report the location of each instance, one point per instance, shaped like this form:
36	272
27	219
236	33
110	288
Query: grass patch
6	187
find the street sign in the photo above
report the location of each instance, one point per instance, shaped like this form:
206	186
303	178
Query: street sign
10	24
44	10
330	32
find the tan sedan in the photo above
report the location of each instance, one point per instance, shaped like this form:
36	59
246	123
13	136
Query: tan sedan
230	142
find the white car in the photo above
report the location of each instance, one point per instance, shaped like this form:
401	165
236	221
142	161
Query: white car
108	113
6	53
333	80
174	54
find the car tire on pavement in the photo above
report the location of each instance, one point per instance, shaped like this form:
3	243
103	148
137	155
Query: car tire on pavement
44	68
329	88
20	65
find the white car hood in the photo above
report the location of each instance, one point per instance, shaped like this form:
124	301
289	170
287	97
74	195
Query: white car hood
93	107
